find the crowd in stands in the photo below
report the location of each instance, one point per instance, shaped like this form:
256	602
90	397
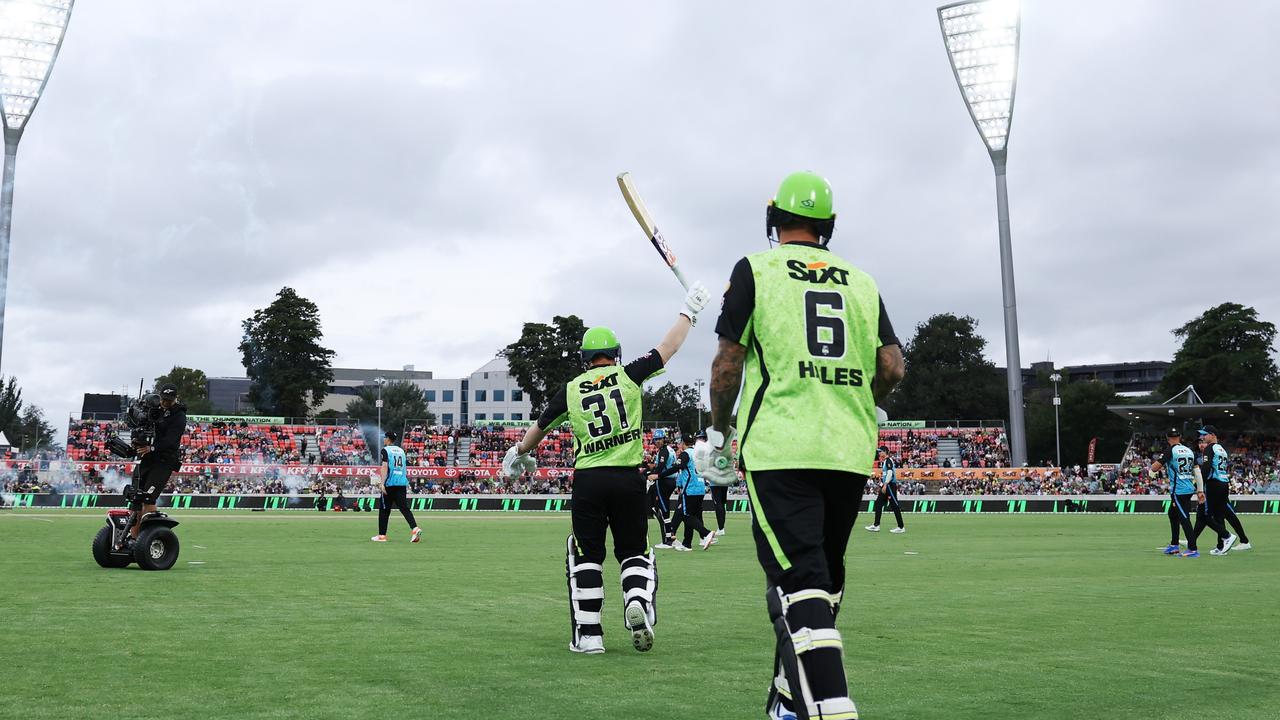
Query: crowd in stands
1067	481
1254	465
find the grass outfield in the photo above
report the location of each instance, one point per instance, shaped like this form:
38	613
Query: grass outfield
298	615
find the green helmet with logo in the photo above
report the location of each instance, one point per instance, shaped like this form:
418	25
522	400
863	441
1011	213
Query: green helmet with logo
600	341
803	196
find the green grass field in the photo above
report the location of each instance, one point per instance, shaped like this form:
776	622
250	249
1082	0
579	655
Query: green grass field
298	615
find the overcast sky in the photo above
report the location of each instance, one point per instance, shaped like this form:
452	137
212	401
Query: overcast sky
432	175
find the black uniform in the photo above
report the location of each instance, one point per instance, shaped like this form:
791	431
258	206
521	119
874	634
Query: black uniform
151	475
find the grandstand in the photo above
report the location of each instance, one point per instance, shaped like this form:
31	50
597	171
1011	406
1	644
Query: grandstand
242	455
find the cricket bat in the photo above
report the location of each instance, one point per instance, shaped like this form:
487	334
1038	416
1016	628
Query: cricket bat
651	231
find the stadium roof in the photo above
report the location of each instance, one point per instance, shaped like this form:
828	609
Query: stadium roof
1194	411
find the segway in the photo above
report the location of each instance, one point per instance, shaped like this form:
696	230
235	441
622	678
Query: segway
156	547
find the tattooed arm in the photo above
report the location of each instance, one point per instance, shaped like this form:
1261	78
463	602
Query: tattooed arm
890	369
726	382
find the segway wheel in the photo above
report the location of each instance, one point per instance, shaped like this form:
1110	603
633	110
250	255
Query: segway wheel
102	551
156	548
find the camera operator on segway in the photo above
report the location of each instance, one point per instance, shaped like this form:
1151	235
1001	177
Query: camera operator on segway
160	455
141	534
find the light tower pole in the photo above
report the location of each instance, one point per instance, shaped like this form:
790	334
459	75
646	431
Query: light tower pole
1057	401
700	383
982	45
31	33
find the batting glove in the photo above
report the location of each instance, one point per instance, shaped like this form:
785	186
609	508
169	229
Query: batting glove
695	301
516	463
722	464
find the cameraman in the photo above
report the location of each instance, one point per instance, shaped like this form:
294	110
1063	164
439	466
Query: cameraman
162	457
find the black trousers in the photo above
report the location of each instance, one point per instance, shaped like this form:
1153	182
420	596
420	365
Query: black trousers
609	499
801	521
1180	518
150	477
1214	511
888	496
660	505
691	506
395	496
720	496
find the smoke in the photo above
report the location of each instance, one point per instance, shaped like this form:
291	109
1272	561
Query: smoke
295	484
114	481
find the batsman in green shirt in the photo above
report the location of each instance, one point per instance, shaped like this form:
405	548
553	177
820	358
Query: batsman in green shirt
603	406
809	334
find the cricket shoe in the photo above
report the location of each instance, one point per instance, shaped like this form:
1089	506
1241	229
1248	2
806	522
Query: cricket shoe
1216	551
1229	543
720	532
588	645
639	625
379	538
662	546
679	547
1244	546
873	528
708	541
1171	550
898	531
1191	553
416	536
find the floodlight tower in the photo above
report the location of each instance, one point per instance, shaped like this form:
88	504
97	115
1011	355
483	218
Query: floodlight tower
982	45
31	33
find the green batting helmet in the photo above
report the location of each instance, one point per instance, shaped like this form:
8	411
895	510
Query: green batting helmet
600	341
803	196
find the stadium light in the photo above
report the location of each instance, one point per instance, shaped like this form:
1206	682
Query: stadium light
31	33
380	382
981	37
1057	431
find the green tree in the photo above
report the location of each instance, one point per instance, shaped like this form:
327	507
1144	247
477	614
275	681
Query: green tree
947	376
545	356
33	432
674	403
10	405
1083	415
282	355
24	425
193	388
1226	354
401	400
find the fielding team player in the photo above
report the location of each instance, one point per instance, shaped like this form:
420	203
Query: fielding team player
888	494
692	493
605	410
1179	463
394	480
661	489
818	351
1217	490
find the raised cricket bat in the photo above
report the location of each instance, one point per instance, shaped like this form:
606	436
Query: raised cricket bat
651	231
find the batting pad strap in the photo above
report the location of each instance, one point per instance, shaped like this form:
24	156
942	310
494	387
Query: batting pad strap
583	617
633	571
581	593
642	593
782	686
584	567
841	708
807	639
800	596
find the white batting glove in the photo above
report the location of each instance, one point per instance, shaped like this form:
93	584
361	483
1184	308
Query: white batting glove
695	301
515	463
722	463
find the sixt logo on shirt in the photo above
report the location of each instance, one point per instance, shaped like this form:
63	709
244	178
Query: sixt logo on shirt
602	381
818	273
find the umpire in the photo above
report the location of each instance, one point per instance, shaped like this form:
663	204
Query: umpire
810	333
